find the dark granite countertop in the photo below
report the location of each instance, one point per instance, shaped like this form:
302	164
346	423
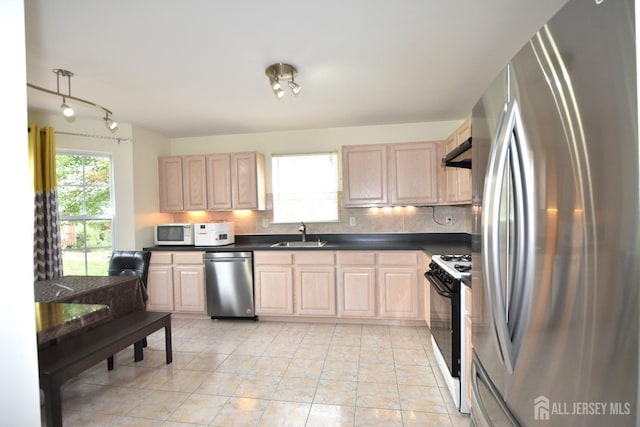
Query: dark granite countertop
431	243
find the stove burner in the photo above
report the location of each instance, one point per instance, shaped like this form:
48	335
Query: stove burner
463	268
456	258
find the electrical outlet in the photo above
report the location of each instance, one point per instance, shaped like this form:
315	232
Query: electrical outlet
448	220
265	222
352	221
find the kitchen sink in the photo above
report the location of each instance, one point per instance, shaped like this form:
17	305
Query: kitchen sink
299	244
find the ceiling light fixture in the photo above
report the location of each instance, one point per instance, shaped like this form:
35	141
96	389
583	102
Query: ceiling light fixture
66	109
111	124
282	72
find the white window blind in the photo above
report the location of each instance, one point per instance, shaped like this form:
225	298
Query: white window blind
305	187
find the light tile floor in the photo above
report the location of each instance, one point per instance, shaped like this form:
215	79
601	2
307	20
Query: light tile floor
244	373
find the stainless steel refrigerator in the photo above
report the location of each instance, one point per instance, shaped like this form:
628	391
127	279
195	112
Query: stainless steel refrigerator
555	237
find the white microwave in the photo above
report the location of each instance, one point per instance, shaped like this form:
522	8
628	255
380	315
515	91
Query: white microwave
173	234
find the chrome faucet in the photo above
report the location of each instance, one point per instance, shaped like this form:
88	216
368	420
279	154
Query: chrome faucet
303	230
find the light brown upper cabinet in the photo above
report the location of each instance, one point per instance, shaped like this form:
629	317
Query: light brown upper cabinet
235	181
212	182
364	175
182	182
247	181
390	174
412	173
456	188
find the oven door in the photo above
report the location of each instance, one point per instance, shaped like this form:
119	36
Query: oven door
445	321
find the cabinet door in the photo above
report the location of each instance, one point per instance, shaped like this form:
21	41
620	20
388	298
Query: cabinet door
170	184
413	174
244	188
398	290
189	289
357	291
219	181
160	288
273	289
315	290
194	183
364	175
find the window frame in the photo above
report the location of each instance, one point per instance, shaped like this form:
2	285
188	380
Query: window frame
275	179
83	218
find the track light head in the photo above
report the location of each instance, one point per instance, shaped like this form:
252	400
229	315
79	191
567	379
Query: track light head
66	110
282	72
295	87
111	124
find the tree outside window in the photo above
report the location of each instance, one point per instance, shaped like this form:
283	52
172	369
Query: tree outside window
85	207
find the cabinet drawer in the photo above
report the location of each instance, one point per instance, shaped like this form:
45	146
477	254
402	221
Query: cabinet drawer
272	257
161	258
181	258
356	258
314	258
398	258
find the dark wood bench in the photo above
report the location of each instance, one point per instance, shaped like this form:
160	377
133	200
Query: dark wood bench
74	355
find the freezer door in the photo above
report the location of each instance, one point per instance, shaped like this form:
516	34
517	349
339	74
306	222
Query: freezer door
487	407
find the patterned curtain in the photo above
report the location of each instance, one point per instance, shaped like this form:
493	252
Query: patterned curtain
47	250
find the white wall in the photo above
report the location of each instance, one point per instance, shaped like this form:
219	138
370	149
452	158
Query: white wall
146	149
135	171
19	396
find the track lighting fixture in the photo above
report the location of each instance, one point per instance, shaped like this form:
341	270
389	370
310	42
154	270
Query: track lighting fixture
67	111
111	124
282	72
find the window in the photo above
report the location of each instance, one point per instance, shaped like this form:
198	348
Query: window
305	187
84	204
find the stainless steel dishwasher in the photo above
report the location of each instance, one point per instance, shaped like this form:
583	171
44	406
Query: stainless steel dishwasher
229	277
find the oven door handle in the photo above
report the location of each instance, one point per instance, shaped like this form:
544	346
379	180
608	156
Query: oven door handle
441	289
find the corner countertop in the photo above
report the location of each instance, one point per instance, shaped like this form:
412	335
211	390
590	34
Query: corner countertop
431	243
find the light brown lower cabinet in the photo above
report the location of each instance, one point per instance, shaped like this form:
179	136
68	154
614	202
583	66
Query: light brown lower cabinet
295	283
273	282
357	284
349	284
398	285
176	282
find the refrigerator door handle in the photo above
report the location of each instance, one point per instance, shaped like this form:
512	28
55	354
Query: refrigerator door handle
508	317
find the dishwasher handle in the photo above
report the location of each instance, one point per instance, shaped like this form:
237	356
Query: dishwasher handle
228	256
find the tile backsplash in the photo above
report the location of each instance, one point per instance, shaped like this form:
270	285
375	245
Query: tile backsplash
367	220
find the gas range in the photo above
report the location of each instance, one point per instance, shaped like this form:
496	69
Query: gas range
457	266
447	323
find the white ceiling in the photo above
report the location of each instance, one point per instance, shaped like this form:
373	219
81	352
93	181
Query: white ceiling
196	67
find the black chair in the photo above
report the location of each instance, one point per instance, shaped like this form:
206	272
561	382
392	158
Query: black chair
130	263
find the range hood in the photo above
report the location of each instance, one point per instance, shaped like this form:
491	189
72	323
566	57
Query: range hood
459	157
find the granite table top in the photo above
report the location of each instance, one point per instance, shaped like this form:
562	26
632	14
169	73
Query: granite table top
55	320
123	294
